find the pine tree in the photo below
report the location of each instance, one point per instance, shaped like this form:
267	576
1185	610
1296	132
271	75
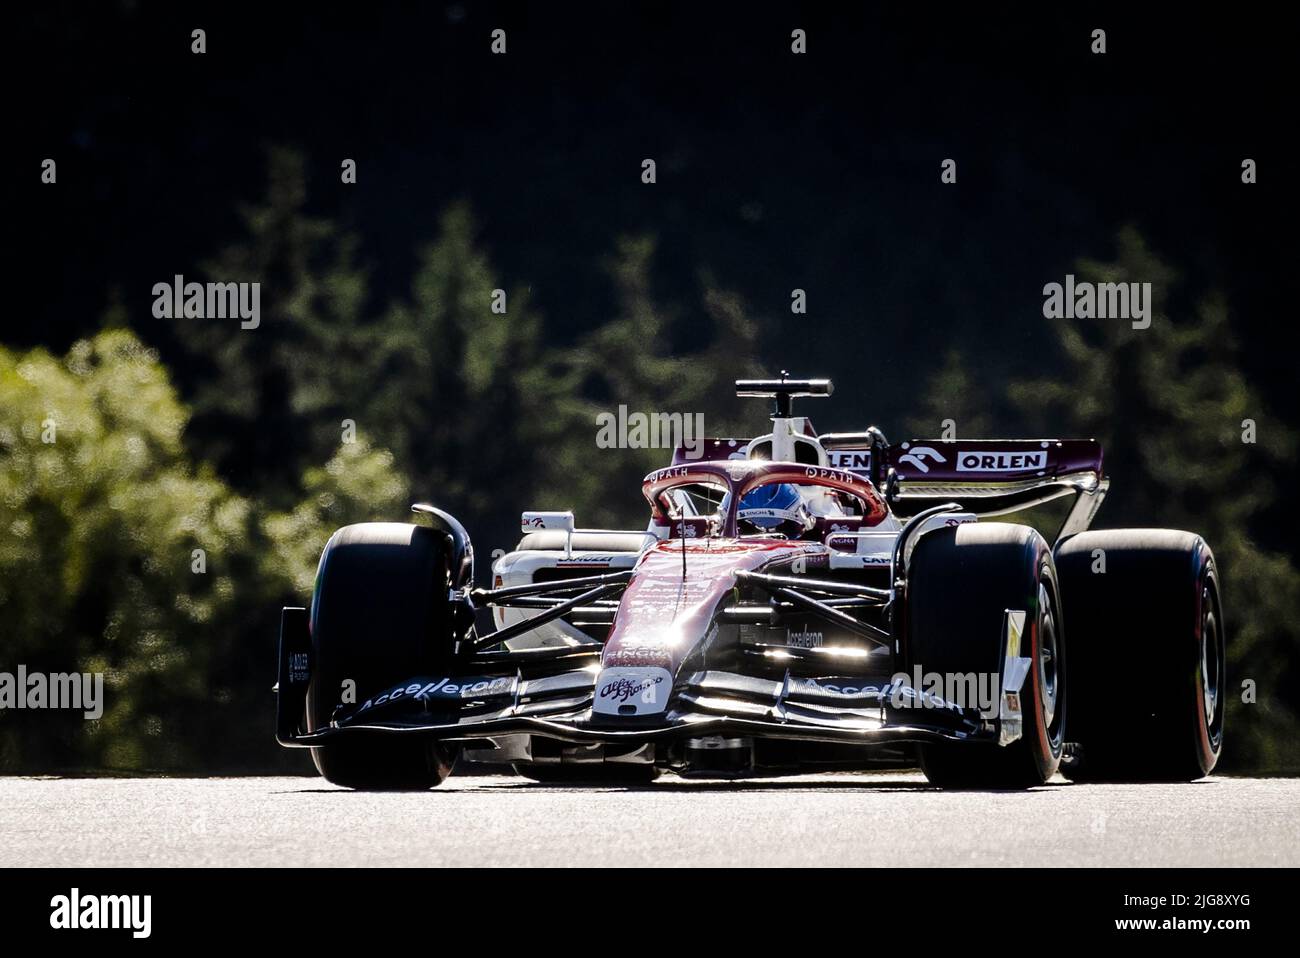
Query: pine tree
1168	404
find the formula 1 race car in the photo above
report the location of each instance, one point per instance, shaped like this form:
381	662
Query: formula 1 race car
797	601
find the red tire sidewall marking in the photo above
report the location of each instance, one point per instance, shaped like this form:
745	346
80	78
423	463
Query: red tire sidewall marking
1205	747
1044	742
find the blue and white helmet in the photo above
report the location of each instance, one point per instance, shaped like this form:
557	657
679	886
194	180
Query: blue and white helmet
772	509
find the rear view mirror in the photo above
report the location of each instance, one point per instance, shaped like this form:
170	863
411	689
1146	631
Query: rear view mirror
562	521
532	521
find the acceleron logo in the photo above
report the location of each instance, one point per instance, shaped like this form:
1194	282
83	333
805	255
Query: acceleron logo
75	911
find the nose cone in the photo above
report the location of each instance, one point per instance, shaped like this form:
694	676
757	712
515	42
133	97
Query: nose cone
632	690
666	612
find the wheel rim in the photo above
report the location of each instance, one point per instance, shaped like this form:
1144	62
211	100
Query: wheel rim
1211	662
1048	659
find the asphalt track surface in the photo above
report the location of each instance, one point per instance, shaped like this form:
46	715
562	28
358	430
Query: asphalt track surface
871	819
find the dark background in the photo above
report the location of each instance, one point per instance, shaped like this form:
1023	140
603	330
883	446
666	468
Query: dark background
775	171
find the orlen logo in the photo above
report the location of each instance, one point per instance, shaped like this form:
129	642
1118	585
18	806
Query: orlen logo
1001	461
851	459
918	456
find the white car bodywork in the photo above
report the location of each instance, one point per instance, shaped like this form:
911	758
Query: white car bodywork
846	548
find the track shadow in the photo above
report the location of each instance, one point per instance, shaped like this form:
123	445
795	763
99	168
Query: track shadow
663	786
698	786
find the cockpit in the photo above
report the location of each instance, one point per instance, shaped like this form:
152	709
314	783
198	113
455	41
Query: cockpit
737	499
775	509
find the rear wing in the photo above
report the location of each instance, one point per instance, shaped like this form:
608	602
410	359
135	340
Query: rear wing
998	476
988	477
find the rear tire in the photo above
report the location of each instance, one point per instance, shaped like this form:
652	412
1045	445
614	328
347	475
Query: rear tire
1147	655
379	615
960	582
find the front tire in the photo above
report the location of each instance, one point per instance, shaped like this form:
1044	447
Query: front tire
1147	654
961	580
379	615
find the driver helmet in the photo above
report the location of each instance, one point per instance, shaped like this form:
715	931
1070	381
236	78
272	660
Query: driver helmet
773	509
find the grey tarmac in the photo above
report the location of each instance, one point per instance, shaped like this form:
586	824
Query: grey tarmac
877	819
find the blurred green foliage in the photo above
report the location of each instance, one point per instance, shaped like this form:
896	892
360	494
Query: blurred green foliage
1169	405
483	414
443	400
1187	466
102	513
